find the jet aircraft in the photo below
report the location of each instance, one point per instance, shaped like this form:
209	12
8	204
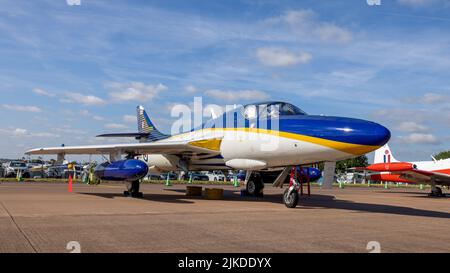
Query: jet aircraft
256	137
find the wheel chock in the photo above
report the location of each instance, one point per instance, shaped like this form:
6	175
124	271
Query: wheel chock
194	191
213	193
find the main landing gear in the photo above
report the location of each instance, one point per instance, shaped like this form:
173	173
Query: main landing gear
133	189
254	184
436	192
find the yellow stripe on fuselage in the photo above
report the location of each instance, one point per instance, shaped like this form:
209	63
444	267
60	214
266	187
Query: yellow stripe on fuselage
210	143
350	148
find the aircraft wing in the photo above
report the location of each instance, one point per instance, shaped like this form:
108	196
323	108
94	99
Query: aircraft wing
407	171
209	146
425	177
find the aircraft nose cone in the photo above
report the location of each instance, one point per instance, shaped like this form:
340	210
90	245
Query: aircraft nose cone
340	129
381	134
363	132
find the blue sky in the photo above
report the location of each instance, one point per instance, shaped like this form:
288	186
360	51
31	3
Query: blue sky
68	72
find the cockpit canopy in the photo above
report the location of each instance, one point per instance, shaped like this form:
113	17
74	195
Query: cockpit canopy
271	109
247	116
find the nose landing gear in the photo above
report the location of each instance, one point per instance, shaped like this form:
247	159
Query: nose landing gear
290	197
296	184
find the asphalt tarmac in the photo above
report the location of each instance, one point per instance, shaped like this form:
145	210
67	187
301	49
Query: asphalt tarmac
44	217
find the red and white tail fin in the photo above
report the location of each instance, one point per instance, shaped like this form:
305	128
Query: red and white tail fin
384	155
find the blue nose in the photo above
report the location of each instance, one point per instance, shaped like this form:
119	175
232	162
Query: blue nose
348	130
379	135
355	131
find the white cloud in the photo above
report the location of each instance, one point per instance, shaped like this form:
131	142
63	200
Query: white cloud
190	89
43	92
330	32
66	129
129	119
20	132
306	25
398	115
432	98
348	77
429	98
134	91
411	126
83	99
415	3
47	135
22	108
115	126
281	57
419	138
236	95
86	113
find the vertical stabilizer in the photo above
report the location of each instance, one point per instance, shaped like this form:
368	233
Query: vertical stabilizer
384	155
145	125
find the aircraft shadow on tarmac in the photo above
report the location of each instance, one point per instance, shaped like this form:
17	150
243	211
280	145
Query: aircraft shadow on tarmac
416	194
316	201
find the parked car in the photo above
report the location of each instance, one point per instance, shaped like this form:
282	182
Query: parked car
55	171
172	176
60	171
152	176
11	168
215	175
197	176
240	176
35	163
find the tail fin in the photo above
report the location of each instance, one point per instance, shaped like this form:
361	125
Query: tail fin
384	155
146	126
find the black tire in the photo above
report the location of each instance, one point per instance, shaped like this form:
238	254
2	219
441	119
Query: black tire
133	189
137	194
437	192
254	185
290	201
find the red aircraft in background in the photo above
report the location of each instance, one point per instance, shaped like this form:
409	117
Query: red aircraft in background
387	168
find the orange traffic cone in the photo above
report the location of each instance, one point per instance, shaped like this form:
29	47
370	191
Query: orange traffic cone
69	186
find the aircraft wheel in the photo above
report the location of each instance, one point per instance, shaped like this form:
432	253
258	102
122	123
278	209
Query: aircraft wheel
254	187
137	194
133	189
437	191
290	200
